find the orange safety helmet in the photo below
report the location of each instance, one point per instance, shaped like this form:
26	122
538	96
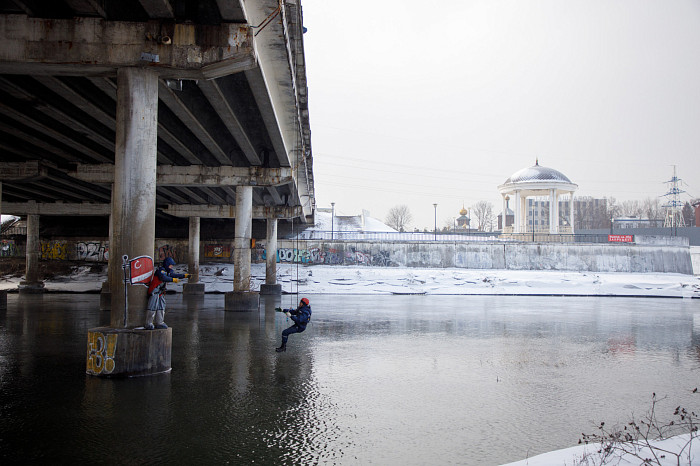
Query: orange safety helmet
305	301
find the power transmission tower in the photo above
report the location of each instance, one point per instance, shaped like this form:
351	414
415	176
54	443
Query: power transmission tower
674	207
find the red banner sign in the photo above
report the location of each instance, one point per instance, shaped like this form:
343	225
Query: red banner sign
141	270
621	238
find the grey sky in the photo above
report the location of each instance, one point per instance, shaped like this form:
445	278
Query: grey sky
422	102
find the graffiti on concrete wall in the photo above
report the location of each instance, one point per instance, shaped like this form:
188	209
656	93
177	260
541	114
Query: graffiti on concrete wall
100	353
332	256
167	251
54	250
94	251
217	251
8	248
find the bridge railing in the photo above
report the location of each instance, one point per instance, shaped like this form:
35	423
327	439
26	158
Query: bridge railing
448	237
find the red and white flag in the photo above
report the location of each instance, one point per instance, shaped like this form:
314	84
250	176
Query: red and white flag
140	270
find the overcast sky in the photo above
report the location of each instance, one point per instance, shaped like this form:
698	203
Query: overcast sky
423	102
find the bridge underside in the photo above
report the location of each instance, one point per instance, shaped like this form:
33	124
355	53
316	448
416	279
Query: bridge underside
228	101
150	112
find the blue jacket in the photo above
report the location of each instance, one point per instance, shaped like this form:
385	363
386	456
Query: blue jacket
161	276
300	316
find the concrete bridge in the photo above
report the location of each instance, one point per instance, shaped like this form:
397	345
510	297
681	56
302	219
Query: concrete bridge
138	110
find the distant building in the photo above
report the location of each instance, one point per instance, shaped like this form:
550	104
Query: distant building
510	215
591	213
333	226
637	222
463	220
529	188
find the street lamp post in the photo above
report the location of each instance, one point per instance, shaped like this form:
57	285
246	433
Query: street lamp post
435	227
332	217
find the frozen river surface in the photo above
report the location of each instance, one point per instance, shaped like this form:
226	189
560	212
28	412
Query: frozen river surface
410	380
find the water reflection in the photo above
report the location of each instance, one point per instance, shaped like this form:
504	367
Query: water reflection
374	379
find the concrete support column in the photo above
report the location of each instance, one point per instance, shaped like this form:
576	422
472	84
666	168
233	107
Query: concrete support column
553	216
134	190
32	280
517	220
125	348
270	287
571	211
242	299
105	295
3	293
193	287
504	215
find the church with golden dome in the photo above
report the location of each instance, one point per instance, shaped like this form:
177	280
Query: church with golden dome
463	219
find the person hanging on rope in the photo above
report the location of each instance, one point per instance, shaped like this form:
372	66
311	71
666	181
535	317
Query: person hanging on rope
300	316
156	293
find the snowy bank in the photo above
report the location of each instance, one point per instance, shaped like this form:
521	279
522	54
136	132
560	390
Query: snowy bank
587	454
319	279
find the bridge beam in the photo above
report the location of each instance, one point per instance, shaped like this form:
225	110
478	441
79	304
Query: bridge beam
95	47
193	175
231	211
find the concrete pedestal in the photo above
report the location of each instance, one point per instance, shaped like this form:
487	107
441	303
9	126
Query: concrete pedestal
3	300
31	287
195	289
105	297
117	352
241	301
271	290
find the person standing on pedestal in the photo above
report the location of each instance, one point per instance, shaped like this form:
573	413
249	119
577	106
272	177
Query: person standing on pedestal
156	293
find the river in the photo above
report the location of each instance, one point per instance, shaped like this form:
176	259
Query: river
411	380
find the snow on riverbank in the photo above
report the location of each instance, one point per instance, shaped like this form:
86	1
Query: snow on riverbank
319	279
586	455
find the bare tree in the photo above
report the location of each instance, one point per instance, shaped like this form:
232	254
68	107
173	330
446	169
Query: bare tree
652	208
631	209
483	211
688	215
448	224
613	208
399	217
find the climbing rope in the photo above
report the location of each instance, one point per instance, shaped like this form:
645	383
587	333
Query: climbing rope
268	20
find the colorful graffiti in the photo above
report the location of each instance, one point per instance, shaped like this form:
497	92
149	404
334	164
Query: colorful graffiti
54	250
167	251
332	256
217	251
8	248
92	251
100	353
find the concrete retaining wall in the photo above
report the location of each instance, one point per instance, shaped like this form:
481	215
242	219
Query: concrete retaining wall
493	255
695	259
653	255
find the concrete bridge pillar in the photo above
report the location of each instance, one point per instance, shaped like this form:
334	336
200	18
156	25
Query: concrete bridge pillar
3	293
270	287
193	287
124	348
134	190
105	295
242	299
517	219
32	280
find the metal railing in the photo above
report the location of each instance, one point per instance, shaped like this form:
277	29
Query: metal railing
448	237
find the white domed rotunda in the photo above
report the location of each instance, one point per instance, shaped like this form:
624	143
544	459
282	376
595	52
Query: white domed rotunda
540	182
